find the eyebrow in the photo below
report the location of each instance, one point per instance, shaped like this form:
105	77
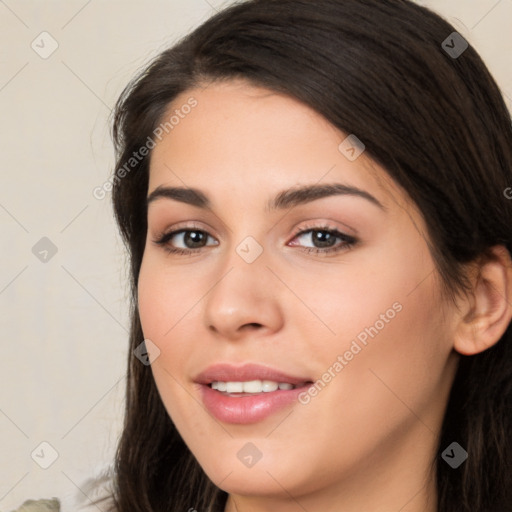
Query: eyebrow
285	199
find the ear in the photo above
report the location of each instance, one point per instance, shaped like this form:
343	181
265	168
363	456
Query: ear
487	312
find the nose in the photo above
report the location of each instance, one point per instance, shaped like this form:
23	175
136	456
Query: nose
243	300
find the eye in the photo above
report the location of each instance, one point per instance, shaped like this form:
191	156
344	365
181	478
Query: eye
191	240
323	240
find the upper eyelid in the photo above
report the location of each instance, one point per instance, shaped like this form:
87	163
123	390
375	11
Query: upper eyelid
180	228
319	224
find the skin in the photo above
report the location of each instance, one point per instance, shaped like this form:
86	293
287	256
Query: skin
366	441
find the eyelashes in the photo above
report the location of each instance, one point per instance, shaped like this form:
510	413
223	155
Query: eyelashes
321	234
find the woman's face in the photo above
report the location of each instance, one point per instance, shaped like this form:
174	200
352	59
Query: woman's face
336	288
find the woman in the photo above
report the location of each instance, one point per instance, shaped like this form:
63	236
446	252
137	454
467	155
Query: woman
313	198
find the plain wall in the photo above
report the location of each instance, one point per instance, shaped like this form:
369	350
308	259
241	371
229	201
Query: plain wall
64	321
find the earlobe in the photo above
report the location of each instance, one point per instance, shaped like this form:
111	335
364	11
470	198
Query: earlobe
489	308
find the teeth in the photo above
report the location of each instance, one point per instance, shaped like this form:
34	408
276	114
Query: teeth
252	386
234	387
268	386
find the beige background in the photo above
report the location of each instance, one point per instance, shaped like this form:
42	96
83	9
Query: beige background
64	322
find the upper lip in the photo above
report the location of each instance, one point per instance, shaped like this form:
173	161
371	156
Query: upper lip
225	372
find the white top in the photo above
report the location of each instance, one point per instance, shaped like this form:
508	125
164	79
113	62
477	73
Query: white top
89	491
94	489
81	500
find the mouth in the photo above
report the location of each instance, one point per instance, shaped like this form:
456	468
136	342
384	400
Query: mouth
249	393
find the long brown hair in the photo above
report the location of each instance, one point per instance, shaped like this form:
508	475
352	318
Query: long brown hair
434	120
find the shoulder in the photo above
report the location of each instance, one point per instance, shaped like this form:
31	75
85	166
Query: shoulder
52	505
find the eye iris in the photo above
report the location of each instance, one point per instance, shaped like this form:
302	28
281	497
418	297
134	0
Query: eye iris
325	238
195	237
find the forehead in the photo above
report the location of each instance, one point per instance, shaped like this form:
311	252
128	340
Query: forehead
247	139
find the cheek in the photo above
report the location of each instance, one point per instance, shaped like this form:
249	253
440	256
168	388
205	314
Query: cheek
166	310
382	314
164	296
365	290
152	295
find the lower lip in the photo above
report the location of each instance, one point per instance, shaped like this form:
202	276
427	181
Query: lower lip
247	409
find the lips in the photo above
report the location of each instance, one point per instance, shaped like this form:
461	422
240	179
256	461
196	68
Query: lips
250	371
246	408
